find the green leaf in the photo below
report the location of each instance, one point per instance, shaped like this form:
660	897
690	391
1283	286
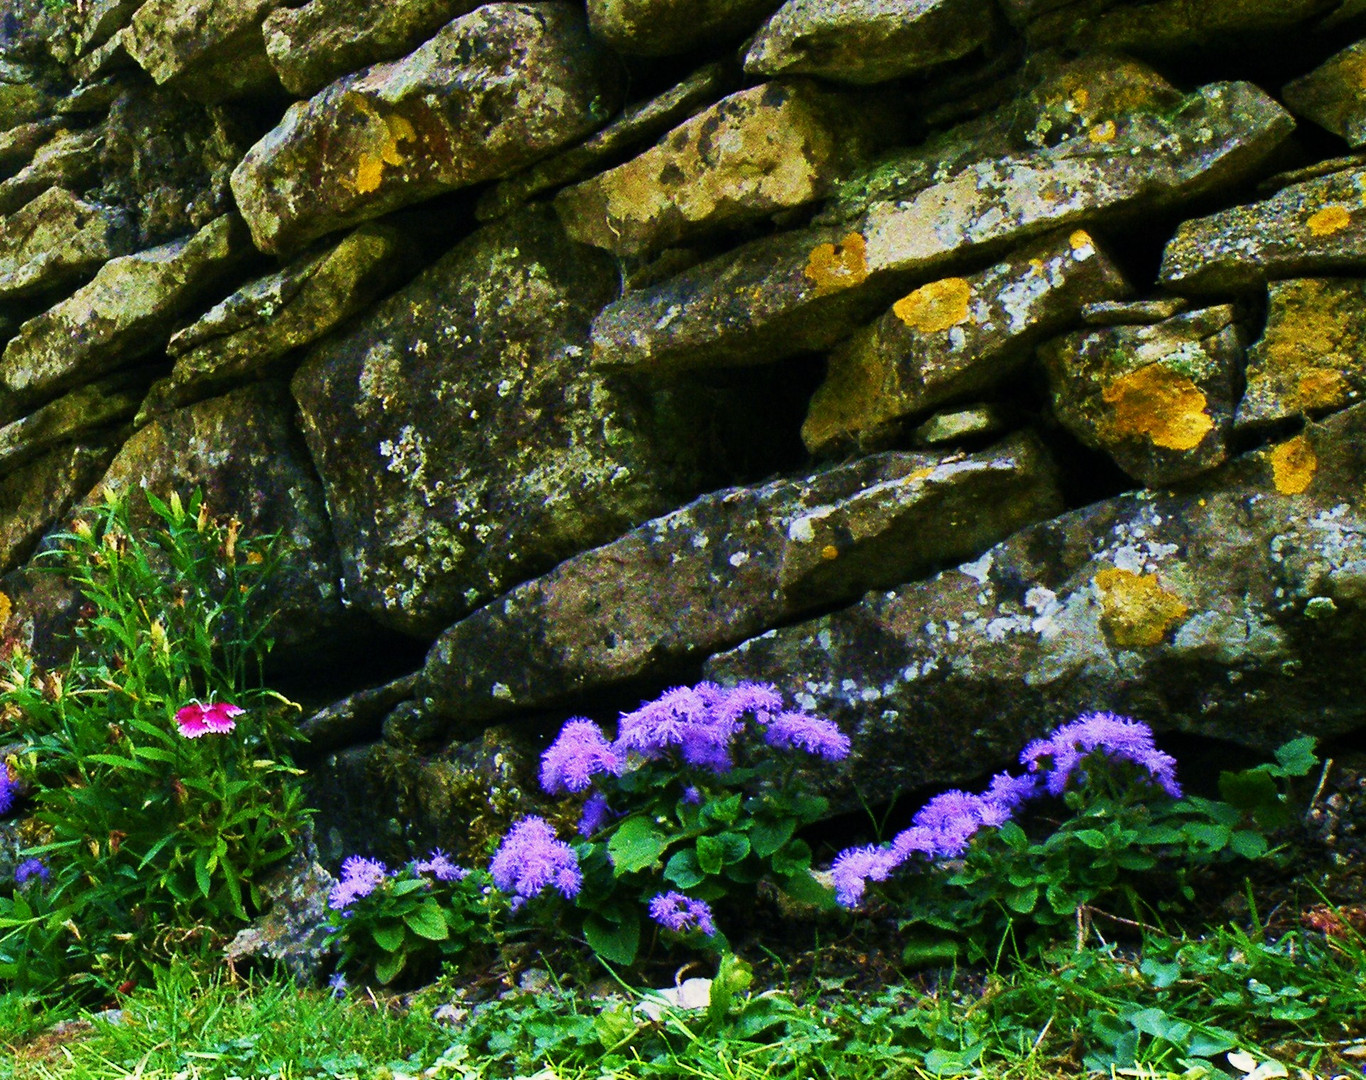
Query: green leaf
428	922
635	845
1092	838
794	858
682	869
616	942
388	936
1297	757
805	889
389	966
1248	844
201	873
118	761
767	835
716	852
1249	790
1023	900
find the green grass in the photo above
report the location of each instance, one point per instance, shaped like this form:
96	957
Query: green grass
1171	1007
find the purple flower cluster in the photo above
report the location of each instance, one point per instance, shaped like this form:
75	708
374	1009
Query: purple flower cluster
579	753
1060	756
439	866
945	826
9	790
596	814
28	870
680	913
531	858
360	877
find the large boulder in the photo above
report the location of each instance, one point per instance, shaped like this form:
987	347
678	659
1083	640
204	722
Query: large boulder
663	27
210	50
57	240
36	495
490	92
1332	94
1223	609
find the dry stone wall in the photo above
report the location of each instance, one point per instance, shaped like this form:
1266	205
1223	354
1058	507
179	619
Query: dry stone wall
954	364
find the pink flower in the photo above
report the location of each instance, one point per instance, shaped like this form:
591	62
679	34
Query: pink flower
216	717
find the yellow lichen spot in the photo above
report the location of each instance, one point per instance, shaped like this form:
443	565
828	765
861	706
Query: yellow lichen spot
1037	265
1135	609
920	474
369	171
1080	97
936	306
1320	388
1159	404
1293	464
1103	132
1081	240
830	552
833	267
1329	220
6	609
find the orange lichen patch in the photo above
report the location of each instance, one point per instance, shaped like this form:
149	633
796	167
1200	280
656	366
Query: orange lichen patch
1159	404
1103	132
1320	388
920	474
6	610
1329	220
830	552
384	133
1293	464
936	306
1080	240
833	267
1135	609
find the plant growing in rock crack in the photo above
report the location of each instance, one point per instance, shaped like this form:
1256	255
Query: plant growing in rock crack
697	799
158	763
965	874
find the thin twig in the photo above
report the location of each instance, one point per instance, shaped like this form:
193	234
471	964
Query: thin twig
1126	922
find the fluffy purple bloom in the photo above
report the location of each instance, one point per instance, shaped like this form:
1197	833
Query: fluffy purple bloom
760	700
1010	791
674	911
690	719
9	790
360	877
810	733
30	869
578	753
692	795
531	858
914	841
595	814
953	817
438	864
853	868
1119	737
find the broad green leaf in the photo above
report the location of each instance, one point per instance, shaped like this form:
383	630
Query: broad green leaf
428	922
388	936
1297	757
616	942
682	869
806	889
386	971
635	845
767	835
716	852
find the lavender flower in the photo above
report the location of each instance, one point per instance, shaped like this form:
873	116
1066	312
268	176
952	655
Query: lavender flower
1010	791
809	733
338	985
692	795
531	858
30	869
761	700
9	790
853	868
595	814
693	719
680	913
360	877
1060	755
438	864
579	752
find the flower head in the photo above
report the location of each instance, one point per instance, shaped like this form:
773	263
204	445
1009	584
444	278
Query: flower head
531	858
360	877
680	913
30	869
438	864
760	700
579	752
1010	791
217	717
1059	756
595	814
810	733
9	790
693	719
853	868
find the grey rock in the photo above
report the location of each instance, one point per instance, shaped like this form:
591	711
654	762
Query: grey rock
665	27
1132	312
1222	610
209	50
952	427
1333	95
727	566
356	718
34	497
18	144
98	405
56	240
1175	27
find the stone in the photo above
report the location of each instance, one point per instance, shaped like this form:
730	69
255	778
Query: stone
101	20
1314	227
70	161
19	144
56	240
35	496
1166	27
639	123
756	153
1333	95
728	565
1159	399
99	405
244	451
356	718
26	94
953	427
953	338
209	50
868	41
491	92
125	313
321	40
1132	312
1311	358
1223	610
292	933
244	336
666	27
805	289
463	445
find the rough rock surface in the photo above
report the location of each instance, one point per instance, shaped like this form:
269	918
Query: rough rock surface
56	240
88	408
664	27
1222	610
728	566
868	41
1311	358
36	495
1166	27
770	148
210	50
463	446
1333	95
952	338
1314	227
313	43
1159	399
462	108
71	160
126	312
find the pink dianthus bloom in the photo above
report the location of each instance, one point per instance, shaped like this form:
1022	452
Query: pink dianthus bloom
196	719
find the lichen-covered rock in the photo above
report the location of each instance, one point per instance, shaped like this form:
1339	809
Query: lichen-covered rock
1162	27
954	427
1333	95
463	445
356	718
101	20
665	27
868	41
952	338
1313	227
770	148
1132	312
209	50
1223	610
321	40
1159	399
35	496
18	144
490	92
126	312
244	451
805	289
99	405
56	240
26	94
1311	358
727	566
244	335
71	160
